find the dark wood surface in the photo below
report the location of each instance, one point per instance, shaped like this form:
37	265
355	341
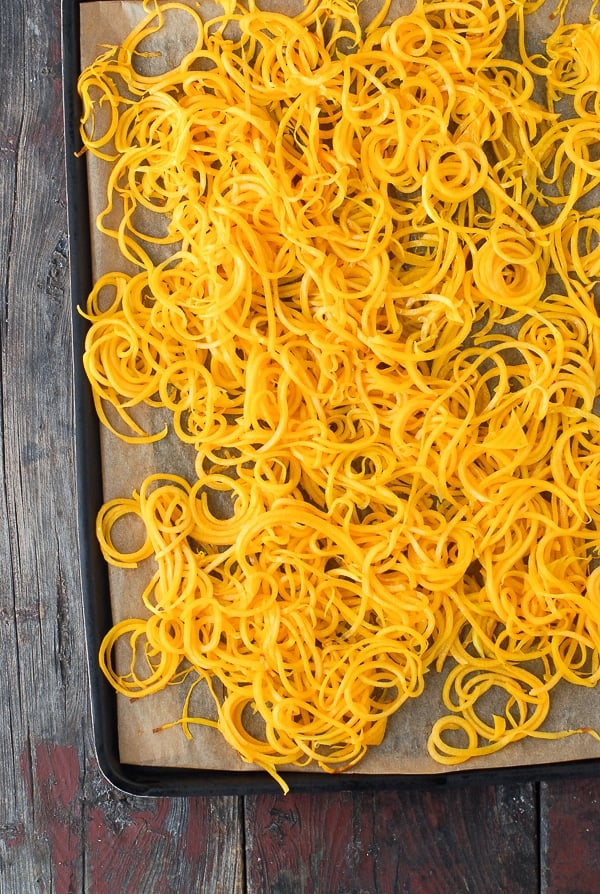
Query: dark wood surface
63	828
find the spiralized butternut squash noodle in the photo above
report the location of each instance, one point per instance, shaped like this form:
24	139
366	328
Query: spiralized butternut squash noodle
368	307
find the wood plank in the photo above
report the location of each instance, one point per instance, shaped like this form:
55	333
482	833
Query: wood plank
95	838
472	838
40	628
570	836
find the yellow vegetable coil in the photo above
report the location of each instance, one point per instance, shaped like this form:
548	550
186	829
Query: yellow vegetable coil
363	287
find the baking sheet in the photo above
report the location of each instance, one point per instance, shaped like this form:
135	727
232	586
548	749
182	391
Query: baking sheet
124	467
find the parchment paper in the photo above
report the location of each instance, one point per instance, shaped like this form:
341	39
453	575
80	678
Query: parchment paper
125	466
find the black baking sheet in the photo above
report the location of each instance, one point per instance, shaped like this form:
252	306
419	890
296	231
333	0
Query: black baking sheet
153	781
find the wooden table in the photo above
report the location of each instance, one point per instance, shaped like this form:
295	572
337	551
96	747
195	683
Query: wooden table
63	828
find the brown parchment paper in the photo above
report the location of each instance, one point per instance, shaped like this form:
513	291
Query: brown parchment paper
403	750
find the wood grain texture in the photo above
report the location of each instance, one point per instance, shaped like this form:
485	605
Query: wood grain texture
570	836
471	839
62	827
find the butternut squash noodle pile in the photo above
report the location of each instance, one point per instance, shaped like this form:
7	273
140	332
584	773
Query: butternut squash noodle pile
363	289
